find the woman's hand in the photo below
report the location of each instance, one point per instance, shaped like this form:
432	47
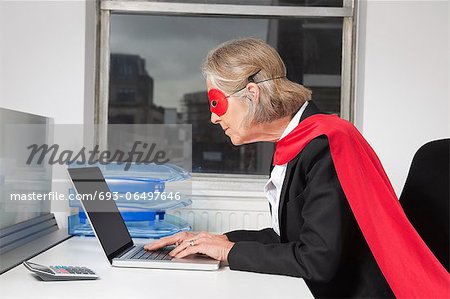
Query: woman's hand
215	246
171	240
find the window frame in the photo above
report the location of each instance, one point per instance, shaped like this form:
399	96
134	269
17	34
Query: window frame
107	7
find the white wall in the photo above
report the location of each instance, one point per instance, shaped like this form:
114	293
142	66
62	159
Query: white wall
402	94
43	58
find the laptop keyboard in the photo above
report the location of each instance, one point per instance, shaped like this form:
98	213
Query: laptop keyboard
141	254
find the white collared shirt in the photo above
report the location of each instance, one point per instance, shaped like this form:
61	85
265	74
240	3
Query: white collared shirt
273	187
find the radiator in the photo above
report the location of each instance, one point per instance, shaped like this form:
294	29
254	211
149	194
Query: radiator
221	204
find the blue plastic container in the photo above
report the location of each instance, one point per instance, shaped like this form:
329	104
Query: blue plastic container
162	225
143	217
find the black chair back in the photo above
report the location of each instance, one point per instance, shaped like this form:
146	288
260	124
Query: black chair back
425	197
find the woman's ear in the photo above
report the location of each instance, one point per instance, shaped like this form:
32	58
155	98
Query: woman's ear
253	92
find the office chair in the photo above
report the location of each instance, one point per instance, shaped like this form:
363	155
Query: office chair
425	197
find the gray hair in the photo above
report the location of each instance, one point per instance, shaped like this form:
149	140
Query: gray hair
229	65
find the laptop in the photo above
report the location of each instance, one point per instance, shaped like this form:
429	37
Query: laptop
112	233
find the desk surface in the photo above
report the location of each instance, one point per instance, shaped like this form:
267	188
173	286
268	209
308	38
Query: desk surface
143	283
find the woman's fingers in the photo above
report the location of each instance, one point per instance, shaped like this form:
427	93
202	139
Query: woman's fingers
191	250
186	243
177	238
179	248
159	244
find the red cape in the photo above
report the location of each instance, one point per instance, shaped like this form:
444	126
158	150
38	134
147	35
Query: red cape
406	262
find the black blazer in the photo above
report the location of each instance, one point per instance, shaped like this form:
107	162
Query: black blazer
320	240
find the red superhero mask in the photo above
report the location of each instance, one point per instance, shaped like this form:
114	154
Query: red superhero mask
218	102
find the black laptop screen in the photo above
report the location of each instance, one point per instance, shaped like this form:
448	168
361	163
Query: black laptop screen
102	212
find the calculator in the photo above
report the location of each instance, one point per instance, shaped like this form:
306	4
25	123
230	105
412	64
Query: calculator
60	272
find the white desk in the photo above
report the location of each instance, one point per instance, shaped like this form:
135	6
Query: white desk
141	283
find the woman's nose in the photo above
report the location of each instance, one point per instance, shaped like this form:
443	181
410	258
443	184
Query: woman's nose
214	118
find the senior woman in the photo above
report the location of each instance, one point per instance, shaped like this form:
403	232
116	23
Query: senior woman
336	222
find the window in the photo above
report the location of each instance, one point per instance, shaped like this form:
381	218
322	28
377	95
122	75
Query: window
152	55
